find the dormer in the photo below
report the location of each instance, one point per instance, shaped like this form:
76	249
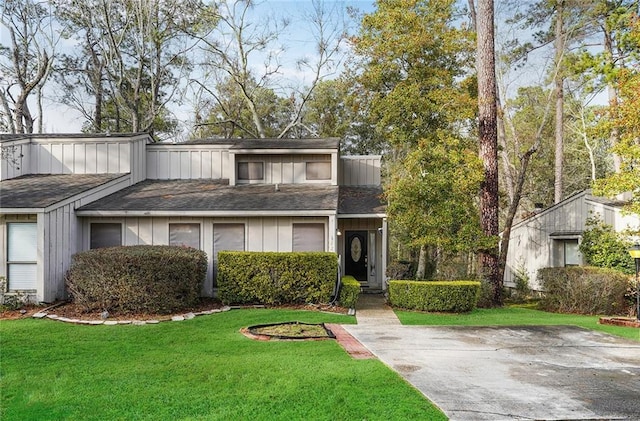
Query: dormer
284	161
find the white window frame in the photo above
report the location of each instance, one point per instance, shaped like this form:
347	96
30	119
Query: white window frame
27	260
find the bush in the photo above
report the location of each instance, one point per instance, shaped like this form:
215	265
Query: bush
603	247
276	278
349	292
584	290
401	270
151	279
450	296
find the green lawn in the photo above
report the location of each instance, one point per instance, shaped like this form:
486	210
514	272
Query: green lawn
200	369
513	316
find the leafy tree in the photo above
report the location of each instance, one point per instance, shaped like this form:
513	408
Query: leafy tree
602	246
414	64
627	123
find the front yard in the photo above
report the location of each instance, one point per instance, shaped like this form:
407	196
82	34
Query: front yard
200	369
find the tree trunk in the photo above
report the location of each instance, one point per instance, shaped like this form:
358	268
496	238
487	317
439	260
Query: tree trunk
488	138
612	92
559	92
421	270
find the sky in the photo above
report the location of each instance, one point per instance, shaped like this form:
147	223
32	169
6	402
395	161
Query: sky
61	119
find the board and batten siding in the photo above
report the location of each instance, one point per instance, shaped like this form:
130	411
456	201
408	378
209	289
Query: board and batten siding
531	246
179	162
360	170
16	158
261	234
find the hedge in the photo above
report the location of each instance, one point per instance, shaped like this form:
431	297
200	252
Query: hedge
349	292
584	290
152	279
276	277
447	296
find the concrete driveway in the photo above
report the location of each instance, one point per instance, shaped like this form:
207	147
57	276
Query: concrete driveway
513	373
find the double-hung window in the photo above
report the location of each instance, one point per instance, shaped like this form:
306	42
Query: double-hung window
22	255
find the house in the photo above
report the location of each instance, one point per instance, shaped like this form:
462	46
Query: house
551	237
61	194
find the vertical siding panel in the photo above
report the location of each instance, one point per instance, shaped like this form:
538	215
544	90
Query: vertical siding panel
67	158
164	170
113	162
91	165
152	164
254	234
160	230
102	157
131	230
196	164
270	234
56	159
206	164
174	165
185	164
127	150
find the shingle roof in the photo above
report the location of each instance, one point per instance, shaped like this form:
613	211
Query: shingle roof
361	200
217	195
43	190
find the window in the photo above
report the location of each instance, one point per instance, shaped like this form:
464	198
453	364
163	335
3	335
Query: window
308	237
184	235
318	170
22	255
105	235
571	253
250	170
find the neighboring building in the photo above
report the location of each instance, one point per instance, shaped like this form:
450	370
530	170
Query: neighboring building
551	237
61	194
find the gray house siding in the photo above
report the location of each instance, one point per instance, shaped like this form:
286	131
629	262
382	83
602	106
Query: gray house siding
542	240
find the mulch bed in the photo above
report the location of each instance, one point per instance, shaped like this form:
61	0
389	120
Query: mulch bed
74	311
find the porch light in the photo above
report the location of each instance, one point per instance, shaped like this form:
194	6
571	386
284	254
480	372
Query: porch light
635	253
339	233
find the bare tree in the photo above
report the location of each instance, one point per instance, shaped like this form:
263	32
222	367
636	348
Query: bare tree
132	61
25	62
241	40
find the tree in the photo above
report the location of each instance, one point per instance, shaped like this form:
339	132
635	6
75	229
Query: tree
238	42
414	64
488	140
24	63
627	125
132	58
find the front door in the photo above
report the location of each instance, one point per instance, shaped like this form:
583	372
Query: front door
356	255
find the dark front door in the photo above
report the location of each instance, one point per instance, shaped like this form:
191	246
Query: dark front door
356	255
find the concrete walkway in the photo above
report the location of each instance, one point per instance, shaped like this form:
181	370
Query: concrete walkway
507	373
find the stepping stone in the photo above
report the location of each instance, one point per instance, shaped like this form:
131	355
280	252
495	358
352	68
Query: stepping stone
110	322
39	315
177	318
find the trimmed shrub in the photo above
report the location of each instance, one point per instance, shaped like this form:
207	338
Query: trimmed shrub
276	277
584	290
127	279
448	296
349	292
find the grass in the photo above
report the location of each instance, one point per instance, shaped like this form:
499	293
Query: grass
514	316
200	369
